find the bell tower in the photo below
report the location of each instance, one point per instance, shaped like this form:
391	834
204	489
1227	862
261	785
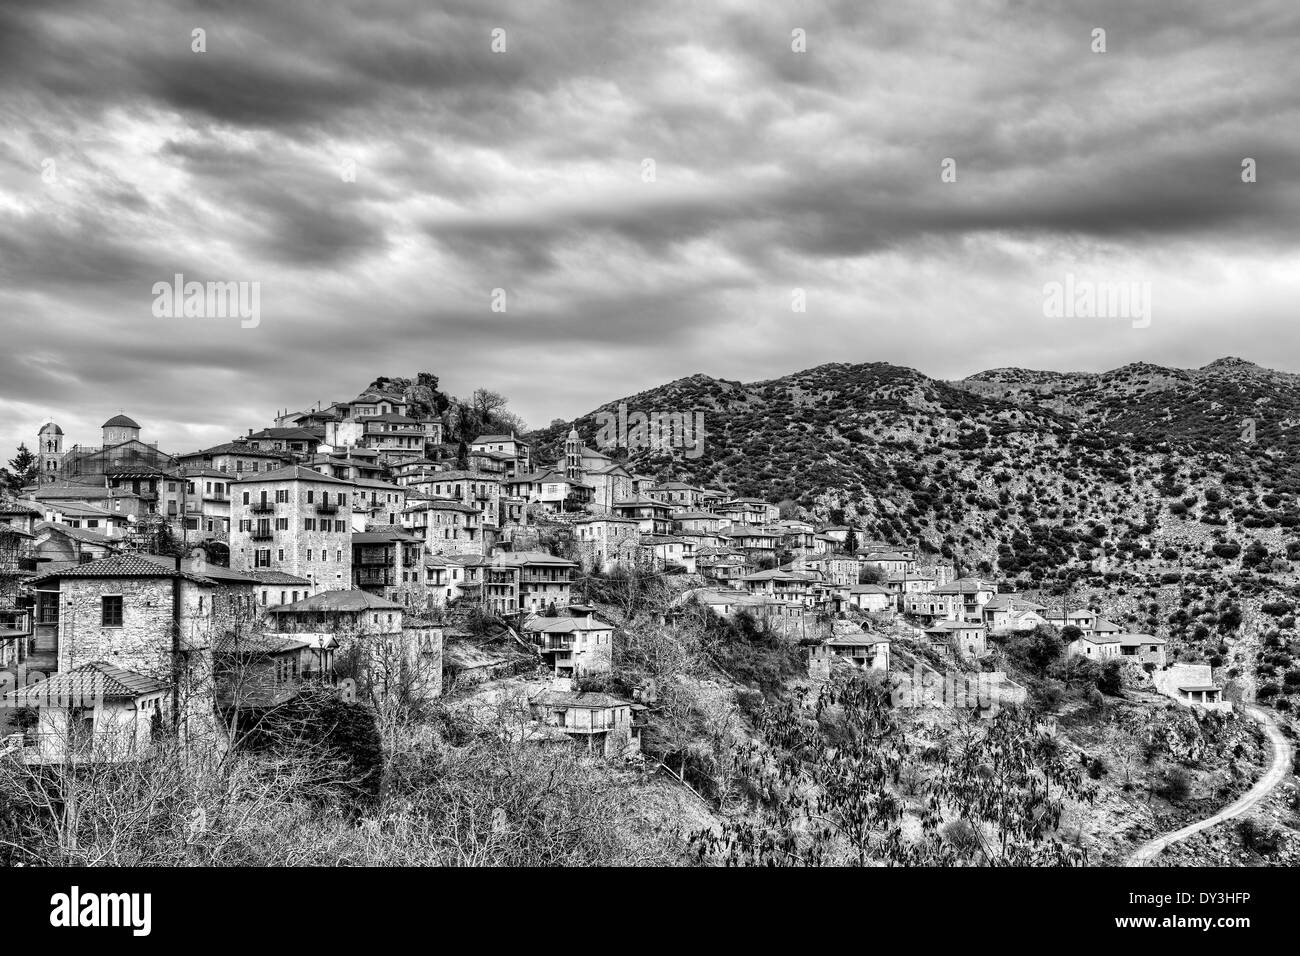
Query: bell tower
49	442
573	456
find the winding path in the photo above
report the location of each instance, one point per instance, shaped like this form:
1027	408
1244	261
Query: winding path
1275	775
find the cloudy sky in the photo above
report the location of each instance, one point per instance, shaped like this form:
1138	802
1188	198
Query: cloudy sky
379	169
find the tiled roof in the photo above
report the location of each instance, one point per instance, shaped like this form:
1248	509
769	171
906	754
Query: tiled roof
532	557
588	701
77	534
857	640
88	682
292	473
266	576
231	643
121	566
482	439
565	625
338	601
234	448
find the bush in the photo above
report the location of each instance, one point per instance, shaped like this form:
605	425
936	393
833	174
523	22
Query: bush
1175	786
1261	838
1110	681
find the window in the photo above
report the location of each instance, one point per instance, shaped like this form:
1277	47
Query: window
282	496
311	497
309	554
110	610
281	524
280	555
245	497
308	524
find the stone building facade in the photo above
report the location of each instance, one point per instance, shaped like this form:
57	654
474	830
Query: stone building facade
293	520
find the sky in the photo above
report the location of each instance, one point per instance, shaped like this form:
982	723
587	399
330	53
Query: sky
568	203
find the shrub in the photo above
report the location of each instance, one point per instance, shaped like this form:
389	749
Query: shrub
1110	681
1259	837
1175	786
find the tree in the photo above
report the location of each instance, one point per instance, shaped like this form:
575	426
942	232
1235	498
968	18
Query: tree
1038	650
851	542
830	788
24	469
871	574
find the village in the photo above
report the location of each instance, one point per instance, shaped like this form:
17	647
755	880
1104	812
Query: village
349	547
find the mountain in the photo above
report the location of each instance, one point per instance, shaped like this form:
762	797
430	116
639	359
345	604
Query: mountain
1033	475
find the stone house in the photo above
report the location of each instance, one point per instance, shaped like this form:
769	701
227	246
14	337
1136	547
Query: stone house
653	516
966	638
870	597
604	541
1191	685
573	646
294	520
390	564
600	724
446	527
94	712
865	651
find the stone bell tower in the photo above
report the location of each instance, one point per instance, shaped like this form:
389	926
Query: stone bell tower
49	445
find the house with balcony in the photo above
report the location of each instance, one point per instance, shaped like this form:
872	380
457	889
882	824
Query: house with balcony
512	447
724	566
864	651
543	579
376	504
746	511
962	637
681	495
352	614
651	515
294	520
299	442
390	563
446	526
967	598
480	489
786	587
574	645
599	724
668	551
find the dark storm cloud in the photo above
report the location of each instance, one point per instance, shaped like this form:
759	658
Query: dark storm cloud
523	171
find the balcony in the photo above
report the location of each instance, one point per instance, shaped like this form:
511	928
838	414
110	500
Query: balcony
262	508
262	534
326	508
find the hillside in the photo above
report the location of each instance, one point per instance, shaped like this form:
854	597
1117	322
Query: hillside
1132	487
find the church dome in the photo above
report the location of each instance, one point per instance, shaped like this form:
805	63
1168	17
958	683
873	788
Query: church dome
50	427
120	421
